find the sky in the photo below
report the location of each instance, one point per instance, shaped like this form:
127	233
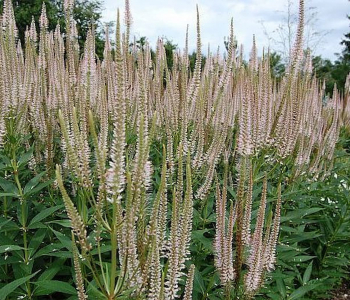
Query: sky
266	19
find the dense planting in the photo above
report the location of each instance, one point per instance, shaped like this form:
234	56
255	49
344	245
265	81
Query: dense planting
127	179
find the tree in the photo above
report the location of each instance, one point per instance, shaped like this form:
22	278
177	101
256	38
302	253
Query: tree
342	64
192	58
282	38
26	9
334	73
346	41
85	13
323	69
277	66
170	47
141	43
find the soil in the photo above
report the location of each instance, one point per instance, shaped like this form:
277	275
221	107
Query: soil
343	292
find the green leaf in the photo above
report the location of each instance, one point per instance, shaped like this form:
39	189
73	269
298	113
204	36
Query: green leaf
300	292
33	182
7	224
274	296
302	258
46	287
38	225
9	288
64	223
10	260
61	254
8	195
39	187
66	241
52	270
329	224
299	213
47	250
36	240
93	292
8	186
198	235
43	214
312	235
8	248
307	273
6	161
6	239
102	249
232	192
281	286
198	284
25	157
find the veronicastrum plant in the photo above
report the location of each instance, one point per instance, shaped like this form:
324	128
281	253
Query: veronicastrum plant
137	149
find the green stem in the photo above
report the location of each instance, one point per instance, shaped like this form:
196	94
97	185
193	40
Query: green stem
228	291
91	265
5	204
114	250
23	220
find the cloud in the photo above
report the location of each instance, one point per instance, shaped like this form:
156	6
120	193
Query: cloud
156	18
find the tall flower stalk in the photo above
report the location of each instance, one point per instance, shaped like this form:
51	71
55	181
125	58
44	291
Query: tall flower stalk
137	145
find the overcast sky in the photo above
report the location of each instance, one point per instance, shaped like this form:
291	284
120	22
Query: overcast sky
169	18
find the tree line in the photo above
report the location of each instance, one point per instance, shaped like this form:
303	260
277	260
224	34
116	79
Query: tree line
89	12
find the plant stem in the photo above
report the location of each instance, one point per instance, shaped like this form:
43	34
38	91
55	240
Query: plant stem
114	251
23	219
228	291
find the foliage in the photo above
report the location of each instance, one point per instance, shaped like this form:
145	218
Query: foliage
277	66
169	47
335	73
313	254
86	13
137	177
30	211
324	69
